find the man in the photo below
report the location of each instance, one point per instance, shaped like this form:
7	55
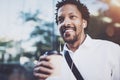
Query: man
94	59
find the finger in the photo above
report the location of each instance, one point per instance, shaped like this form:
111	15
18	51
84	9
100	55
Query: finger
45	57
41	76
43	70
45	64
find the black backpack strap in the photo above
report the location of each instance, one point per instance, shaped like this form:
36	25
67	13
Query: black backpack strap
74	68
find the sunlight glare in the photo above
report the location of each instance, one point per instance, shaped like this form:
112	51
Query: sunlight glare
115	2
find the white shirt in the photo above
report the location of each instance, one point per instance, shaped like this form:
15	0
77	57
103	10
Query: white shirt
95	59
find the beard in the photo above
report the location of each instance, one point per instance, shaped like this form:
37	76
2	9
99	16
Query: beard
71	40
69	37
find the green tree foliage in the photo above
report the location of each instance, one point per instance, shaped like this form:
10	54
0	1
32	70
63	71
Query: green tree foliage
43	34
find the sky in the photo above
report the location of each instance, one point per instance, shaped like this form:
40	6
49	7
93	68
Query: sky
12	25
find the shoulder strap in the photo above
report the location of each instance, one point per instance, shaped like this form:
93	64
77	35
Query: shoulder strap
74	68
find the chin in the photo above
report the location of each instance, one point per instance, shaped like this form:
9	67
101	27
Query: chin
69	40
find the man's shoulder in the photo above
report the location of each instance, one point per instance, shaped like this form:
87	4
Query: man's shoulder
107	47
105	44
100	42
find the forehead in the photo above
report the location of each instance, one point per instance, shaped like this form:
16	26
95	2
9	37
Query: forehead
68	9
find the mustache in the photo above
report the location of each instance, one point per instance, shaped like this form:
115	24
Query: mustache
64	28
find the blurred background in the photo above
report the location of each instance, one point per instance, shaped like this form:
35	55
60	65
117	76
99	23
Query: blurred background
28	30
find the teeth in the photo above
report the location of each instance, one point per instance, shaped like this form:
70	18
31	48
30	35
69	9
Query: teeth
69	30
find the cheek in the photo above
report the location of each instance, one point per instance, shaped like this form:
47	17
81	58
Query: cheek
79	28
79	25
78	22
60	29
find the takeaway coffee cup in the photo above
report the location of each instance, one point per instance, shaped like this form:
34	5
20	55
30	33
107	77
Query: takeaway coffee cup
56	59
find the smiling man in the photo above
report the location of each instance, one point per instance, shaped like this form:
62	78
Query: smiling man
71	25
94	59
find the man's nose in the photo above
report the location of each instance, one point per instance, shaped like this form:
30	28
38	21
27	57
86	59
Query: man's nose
67	22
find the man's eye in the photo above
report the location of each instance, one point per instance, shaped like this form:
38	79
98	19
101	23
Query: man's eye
60	20
72	17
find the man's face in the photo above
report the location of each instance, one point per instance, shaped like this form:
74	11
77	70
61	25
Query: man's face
70	22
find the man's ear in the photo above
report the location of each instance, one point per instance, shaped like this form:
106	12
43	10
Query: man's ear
84	23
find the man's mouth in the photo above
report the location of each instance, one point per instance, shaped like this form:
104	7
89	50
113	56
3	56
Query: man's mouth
68	30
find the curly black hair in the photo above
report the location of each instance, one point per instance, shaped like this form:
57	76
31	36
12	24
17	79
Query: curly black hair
81	7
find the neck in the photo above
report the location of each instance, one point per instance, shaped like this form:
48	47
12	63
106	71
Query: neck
74	46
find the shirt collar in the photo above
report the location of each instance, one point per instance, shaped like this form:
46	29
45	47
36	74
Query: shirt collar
86	44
